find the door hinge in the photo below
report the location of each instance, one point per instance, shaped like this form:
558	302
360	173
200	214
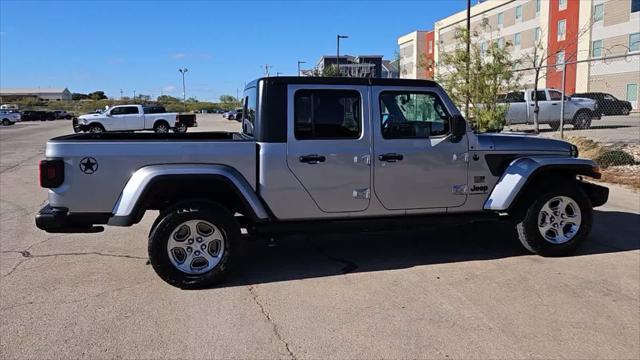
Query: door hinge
361	193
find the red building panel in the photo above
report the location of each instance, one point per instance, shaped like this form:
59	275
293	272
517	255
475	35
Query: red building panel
570	14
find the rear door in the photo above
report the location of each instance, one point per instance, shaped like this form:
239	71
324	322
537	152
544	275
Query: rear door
328	145
416	163
126	118
518	112
554	99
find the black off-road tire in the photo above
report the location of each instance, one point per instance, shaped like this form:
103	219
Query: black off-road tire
582	120
171	218
527	228
554	125
6	122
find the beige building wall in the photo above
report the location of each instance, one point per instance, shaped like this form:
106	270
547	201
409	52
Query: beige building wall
488	12
614	76
411	46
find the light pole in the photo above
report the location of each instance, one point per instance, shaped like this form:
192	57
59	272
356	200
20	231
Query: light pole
184	91
134	96
338	37
300	62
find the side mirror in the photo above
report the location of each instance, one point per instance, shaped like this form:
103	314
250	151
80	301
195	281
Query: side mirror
458	127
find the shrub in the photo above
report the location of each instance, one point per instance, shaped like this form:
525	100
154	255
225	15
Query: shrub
614	157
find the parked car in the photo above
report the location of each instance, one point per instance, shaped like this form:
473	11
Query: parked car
133	118
9	117
235	114
318	155
577	111
62	114
35	115
607	103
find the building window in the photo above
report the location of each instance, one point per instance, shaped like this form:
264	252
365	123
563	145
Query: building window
538	34
500	19
596	49
430	46
598	12
635	6
559	59
501	43
632	92
562	29
516	39
562	4
519	13
634	42
538	6
483	48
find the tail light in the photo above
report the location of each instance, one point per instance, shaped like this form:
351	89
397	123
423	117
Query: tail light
51	173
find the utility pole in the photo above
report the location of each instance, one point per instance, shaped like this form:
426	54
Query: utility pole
121	94
266	69
338	37
184	88
278	73
468	39
300	62
237	94
134	96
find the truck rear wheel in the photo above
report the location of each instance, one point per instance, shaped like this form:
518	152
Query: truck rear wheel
192	244
557	222
161	127
582	120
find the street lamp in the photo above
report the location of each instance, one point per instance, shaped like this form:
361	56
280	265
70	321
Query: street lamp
300	62
184	92
338	37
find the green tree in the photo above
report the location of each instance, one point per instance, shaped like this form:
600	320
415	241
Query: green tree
490	74
167	99
79	96
228	99
97	95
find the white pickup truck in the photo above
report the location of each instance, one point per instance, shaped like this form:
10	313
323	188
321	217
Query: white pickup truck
577	111
134	117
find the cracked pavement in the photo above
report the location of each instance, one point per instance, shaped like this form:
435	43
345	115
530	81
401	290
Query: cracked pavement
464	292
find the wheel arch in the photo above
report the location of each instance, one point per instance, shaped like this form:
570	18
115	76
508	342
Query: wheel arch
161	186
525	174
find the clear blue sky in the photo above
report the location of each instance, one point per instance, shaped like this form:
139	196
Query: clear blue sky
95	45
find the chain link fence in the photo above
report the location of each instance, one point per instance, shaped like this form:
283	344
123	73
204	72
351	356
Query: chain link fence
596	108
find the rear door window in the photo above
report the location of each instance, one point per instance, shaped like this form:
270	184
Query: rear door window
327	114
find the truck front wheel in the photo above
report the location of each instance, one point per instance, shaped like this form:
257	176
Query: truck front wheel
557	222
192	244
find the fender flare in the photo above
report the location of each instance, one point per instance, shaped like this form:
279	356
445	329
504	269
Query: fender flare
521	170
132	197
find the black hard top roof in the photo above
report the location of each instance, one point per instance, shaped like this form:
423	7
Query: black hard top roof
343	81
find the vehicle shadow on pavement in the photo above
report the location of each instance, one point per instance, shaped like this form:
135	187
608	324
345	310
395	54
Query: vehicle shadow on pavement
301	257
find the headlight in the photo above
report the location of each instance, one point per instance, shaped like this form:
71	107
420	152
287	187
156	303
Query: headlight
574	151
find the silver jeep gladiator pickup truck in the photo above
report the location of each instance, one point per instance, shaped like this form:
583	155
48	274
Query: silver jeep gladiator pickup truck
329	153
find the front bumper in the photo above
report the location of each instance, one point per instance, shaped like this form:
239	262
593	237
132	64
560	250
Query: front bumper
59	220
598	194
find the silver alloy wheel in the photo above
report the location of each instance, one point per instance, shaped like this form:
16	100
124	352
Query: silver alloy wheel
162	128
559	219
195	247
95	129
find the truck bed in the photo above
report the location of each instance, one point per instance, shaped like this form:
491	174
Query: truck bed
120	155
151	136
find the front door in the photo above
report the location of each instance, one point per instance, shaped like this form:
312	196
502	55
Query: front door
328	146
417	164
125	118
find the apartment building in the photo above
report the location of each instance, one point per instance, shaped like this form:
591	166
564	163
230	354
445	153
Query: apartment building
615	31
417	51
564	30
522	23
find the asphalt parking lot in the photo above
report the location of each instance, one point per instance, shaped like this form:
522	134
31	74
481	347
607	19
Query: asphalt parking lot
464	292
